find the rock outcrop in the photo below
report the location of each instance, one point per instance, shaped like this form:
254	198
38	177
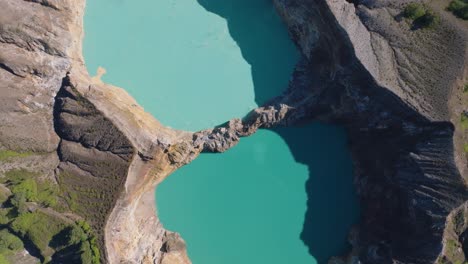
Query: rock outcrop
395	89
104	152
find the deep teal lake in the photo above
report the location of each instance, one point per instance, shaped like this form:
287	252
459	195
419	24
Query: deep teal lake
280	196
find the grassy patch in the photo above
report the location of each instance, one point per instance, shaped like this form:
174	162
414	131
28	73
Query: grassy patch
78	238
6	214
16	176
453	252
429	20
9	242
39	228
464	121
10	154
459	8
53	238
465	88
414	11
3	259
465	147
451	246
50	235
3	196
9	245
421	16
89	246
27	187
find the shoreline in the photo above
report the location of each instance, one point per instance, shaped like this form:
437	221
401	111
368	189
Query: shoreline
408	173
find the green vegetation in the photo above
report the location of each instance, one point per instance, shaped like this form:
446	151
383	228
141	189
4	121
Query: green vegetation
9	241
3	259
465	147
4	219
3	196
421	15
90	251
26	187
459	8
464	121
10	154
47	232
465	88
39	228
414	11
81	235
451	247
9	244
429	20
44	231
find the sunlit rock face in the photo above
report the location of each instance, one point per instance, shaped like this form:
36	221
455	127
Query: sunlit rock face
396	90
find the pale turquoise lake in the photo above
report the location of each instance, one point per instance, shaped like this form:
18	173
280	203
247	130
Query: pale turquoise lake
280	196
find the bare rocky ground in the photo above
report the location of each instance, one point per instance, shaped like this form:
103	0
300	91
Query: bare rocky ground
397	90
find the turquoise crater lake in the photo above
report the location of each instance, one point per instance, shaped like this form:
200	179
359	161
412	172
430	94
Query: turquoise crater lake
280	196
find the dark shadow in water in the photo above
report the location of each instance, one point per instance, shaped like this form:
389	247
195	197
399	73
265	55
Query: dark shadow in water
263	41
331	200
265	45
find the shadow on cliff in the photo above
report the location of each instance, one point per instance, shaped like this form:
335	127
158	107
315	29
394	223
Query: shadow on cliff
265	45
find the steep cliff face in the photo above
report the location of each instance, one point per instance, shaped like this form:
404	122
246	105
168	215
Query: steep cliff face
396	91
392	87
94	158
91	140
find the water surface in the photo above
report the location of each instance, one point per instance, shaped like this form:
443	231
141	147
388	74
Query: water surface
180	61
248	205
280	196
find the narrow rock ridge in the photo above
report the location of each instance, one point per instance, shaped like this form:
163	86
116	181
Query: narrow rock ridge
91	124
358	70
93	153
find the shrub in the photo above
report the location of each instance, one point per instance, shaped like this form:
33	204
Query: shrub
19	202
414	11
39	228
464	121
48	193
89	252
76	235
14	177
86	256
27	184
459	8
84	225
27	188
421	16
89	244
4	219
3	196
9	241
428	20
78	238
